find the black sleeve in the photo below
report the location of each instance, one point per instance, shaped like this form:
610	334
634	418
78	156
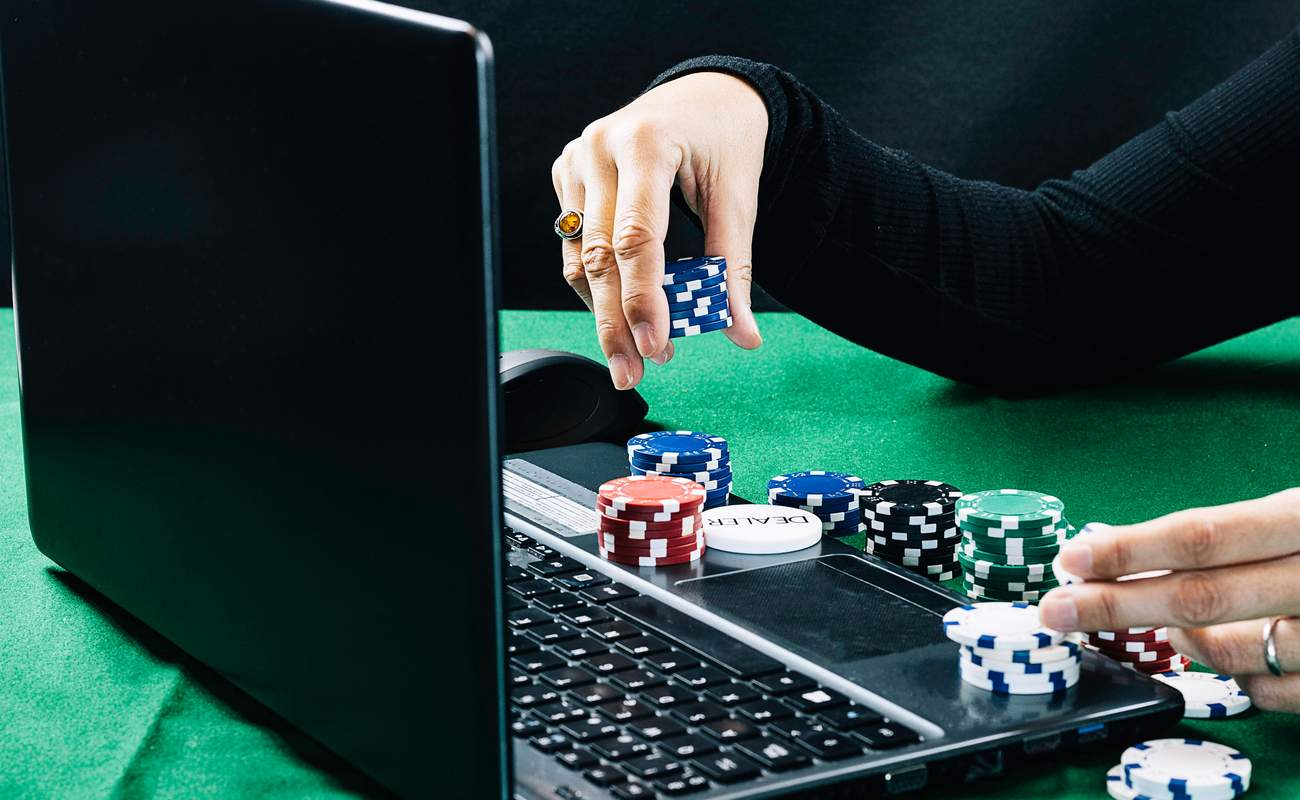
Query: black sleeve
1181	237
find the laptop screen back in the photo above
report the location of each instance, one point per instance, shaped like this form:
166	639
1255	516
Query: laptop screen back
256	327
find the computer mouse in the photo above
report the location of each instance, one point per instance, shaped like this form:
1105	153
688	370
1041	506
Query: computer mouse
552	398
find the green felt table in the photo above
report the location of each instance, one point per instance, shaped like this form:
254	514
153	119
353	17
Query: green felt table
93	705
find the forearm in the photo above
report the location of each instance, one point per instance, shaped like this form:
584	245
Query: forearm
1168	244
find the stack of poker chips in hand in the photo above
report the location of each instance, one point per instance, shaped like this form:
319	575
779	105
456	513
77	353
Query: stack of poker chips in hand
696	456
1009	538
697	295
650	521
1141	649
911	523
1006	650
1184	769
832	496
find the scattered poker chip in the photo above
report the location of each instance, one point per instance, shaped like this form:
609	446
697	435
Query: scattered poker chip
760	530
696	330
910	498
1010	509
1206	695
687	263
999	626
658	548
1116	787
815	487
677	447
695	294
1185	768
651	493
651	561
1019	667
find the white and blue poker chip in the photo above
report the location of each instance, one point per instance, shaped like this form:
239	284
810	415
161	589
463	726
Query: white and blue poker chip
694	262
999	626
1191	768
696	330
816	487
678	447
1206	695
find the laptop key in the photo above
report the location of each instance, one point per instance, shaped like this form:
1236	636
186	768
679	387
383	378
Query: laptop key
688	745
568	677
557	602
625	709
798	727
515	575
885	735
849	717
605	776
582	580
641	646
729	653
576	758
773	753
668	696
613	631
527	617
551	632
726	767
699	712
609	593
764	711
531	588
814	700
589	729
682	784
515	604
527	728
554	567
652	765
631	791
656	728
551	743
701	677
618	748
543	551
672	661
581	647
519	678
517	644
559	713
520	540
634	680
609	663
729	730
585	616
830	745
594	695
536	662
530	696
784	683
732	694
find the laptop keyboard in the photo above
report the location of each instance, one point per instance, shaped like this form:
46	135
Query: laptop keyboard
643	701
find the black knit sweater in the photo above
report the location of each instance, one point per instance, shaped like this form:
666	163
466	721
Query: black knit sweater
1180	238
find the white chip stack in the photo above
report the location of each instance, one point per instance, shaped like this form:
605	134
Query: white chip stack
1006	650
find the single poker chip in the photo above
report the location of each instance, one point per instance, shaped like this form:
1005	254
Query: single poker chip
1134	635
642	529
1181	664
1206	695
840	532
694	295
1043	560
1019	667
693	285
1068	669
917	565
1010	509
1025	572
760	530
901	519
1009	586
832	506
1016	546
988	532
948	560
1140	656
699	312
939	577
707	485
1116	787
683	471
849	515
1039	655
693	272
917	532
650	561
999	626
694	262
720	467
696	330
716	503
981	593
1003	685
1185	768
658	548
712	301
910	498
1128	645
651	493
708	319
815	487
677	447
908	549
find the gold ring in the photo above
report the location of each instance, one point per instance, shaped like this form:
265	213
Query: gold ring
569	224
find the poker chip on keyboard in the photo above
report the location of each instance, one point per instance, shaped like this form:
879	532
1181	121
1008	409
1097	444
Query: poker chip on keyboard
1188	769
1006	650
650	520
695	456
1008	540
697	296
911	523
832	496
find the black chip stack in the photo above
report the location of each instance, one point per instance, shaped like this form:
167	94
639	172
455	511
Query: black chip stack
912	523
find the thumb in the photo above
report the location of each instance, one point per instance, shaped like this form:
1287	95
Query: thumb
729	232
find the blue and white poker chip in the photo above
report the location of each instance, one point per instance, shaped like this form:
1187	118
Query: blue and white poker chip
1206	695
694	295
694	285
1068	648
678	447
696	330
694	262
999	626
1020	667
710	303
1191	768
684	323
694	274
816	487
697	313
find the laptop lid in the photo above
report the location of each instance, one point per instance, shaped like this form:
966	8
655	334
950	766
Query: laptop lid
255	305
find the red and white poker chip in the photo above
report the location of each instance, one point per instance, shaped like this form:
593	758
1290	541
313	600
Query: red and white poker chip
652	494
651	561
1133	635
658	548
636	529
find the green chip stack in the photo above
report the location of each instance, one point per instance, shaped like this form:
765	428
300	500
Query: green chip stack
1008	540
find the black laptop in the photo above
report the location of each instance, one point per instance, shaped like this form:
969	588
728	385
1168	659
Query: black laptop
254	290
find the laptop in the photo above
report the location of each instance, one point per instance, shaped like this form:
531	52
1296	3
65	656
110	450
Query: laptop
255	303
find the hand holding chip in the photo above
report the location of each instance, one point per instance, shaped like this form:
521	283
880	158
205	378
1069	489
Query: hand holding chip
706	133
1233	568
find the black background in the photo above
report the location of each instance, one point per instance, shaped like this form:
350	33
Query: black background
1015	91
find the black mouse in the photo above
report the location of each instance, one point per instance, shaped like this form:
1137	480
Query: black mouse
553	398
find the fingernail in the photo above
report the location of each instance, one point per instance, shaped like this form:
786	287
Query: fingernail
644	334
1076	557
1058	610
1092	527
661	357
620	371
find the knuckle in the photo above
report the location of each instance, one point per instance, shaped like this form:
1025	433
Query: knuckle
636	298
1198	600
598	258
633	235
607	330
1221	652
643	133
574	274
1120	555
570	150
596	133
1107	610
1198	541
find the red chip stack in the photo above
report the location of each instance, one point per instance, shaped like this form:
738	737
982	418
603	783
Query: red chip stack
651	520
1141	649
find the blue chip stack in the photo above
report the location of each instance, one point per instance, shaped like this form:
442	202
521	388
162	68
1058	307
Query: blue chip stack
700	457
697	295
832	496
